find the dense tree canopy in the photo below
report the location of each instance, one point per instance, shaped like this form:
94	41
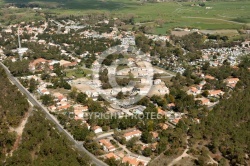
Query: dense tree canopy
40	143
226	128
43	145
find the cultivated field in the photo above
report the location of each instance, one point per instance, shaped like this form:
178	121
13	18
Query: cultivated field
163	16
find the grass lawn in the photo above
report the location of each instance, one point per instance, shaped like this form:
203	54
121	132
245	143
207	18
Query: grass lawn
78	74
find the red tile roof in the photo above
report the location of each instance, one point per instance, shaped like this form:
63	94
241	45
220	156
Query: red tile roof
209	77
107	144
132	161
135	132
111	155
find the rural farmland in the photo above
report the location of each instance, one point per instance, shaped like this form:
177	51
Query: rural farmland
162	16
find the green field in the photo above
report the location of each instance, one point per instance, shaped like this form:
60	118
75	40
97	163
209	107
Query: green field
221	15
78	73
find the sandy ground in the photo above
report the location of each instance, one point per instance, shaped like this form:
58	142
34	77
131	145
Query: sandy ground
180	33
19	131
81	84
221	32
230	32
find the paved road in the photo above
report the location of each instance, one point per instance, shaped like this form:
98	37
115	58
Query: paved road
59	26
34	102
104	135
143	158
171	124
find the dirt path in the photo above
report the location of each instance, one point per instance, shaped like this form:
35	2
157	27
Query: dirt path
19	131
123	147
184	154
212	161
215	19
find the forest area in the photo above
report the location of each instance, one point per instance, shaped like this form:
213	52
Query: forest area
40	142
225	129
13	107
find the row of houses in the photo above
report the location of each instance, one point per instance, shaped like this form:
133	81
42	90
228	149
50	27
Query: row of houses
217	56
132	161
41	64
196	90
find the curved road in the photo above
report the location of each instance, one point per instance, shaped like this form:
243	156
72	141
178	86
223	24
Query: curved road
34	101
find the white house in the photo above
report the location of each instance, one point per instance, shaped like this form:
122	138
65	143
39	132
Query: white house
129	135
215	93
97	129
231	80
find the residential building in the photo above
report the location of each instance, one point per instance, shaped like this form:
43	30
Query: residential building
194	91
161	112
112	155
209	77
129	135
97	129
154	134
78	114
164	126
107	146
132	161
231	80
215	93
37	64
204	101
43	91
60	97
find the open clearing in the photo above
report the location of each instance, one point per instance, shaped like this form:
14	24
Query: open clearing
78	73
